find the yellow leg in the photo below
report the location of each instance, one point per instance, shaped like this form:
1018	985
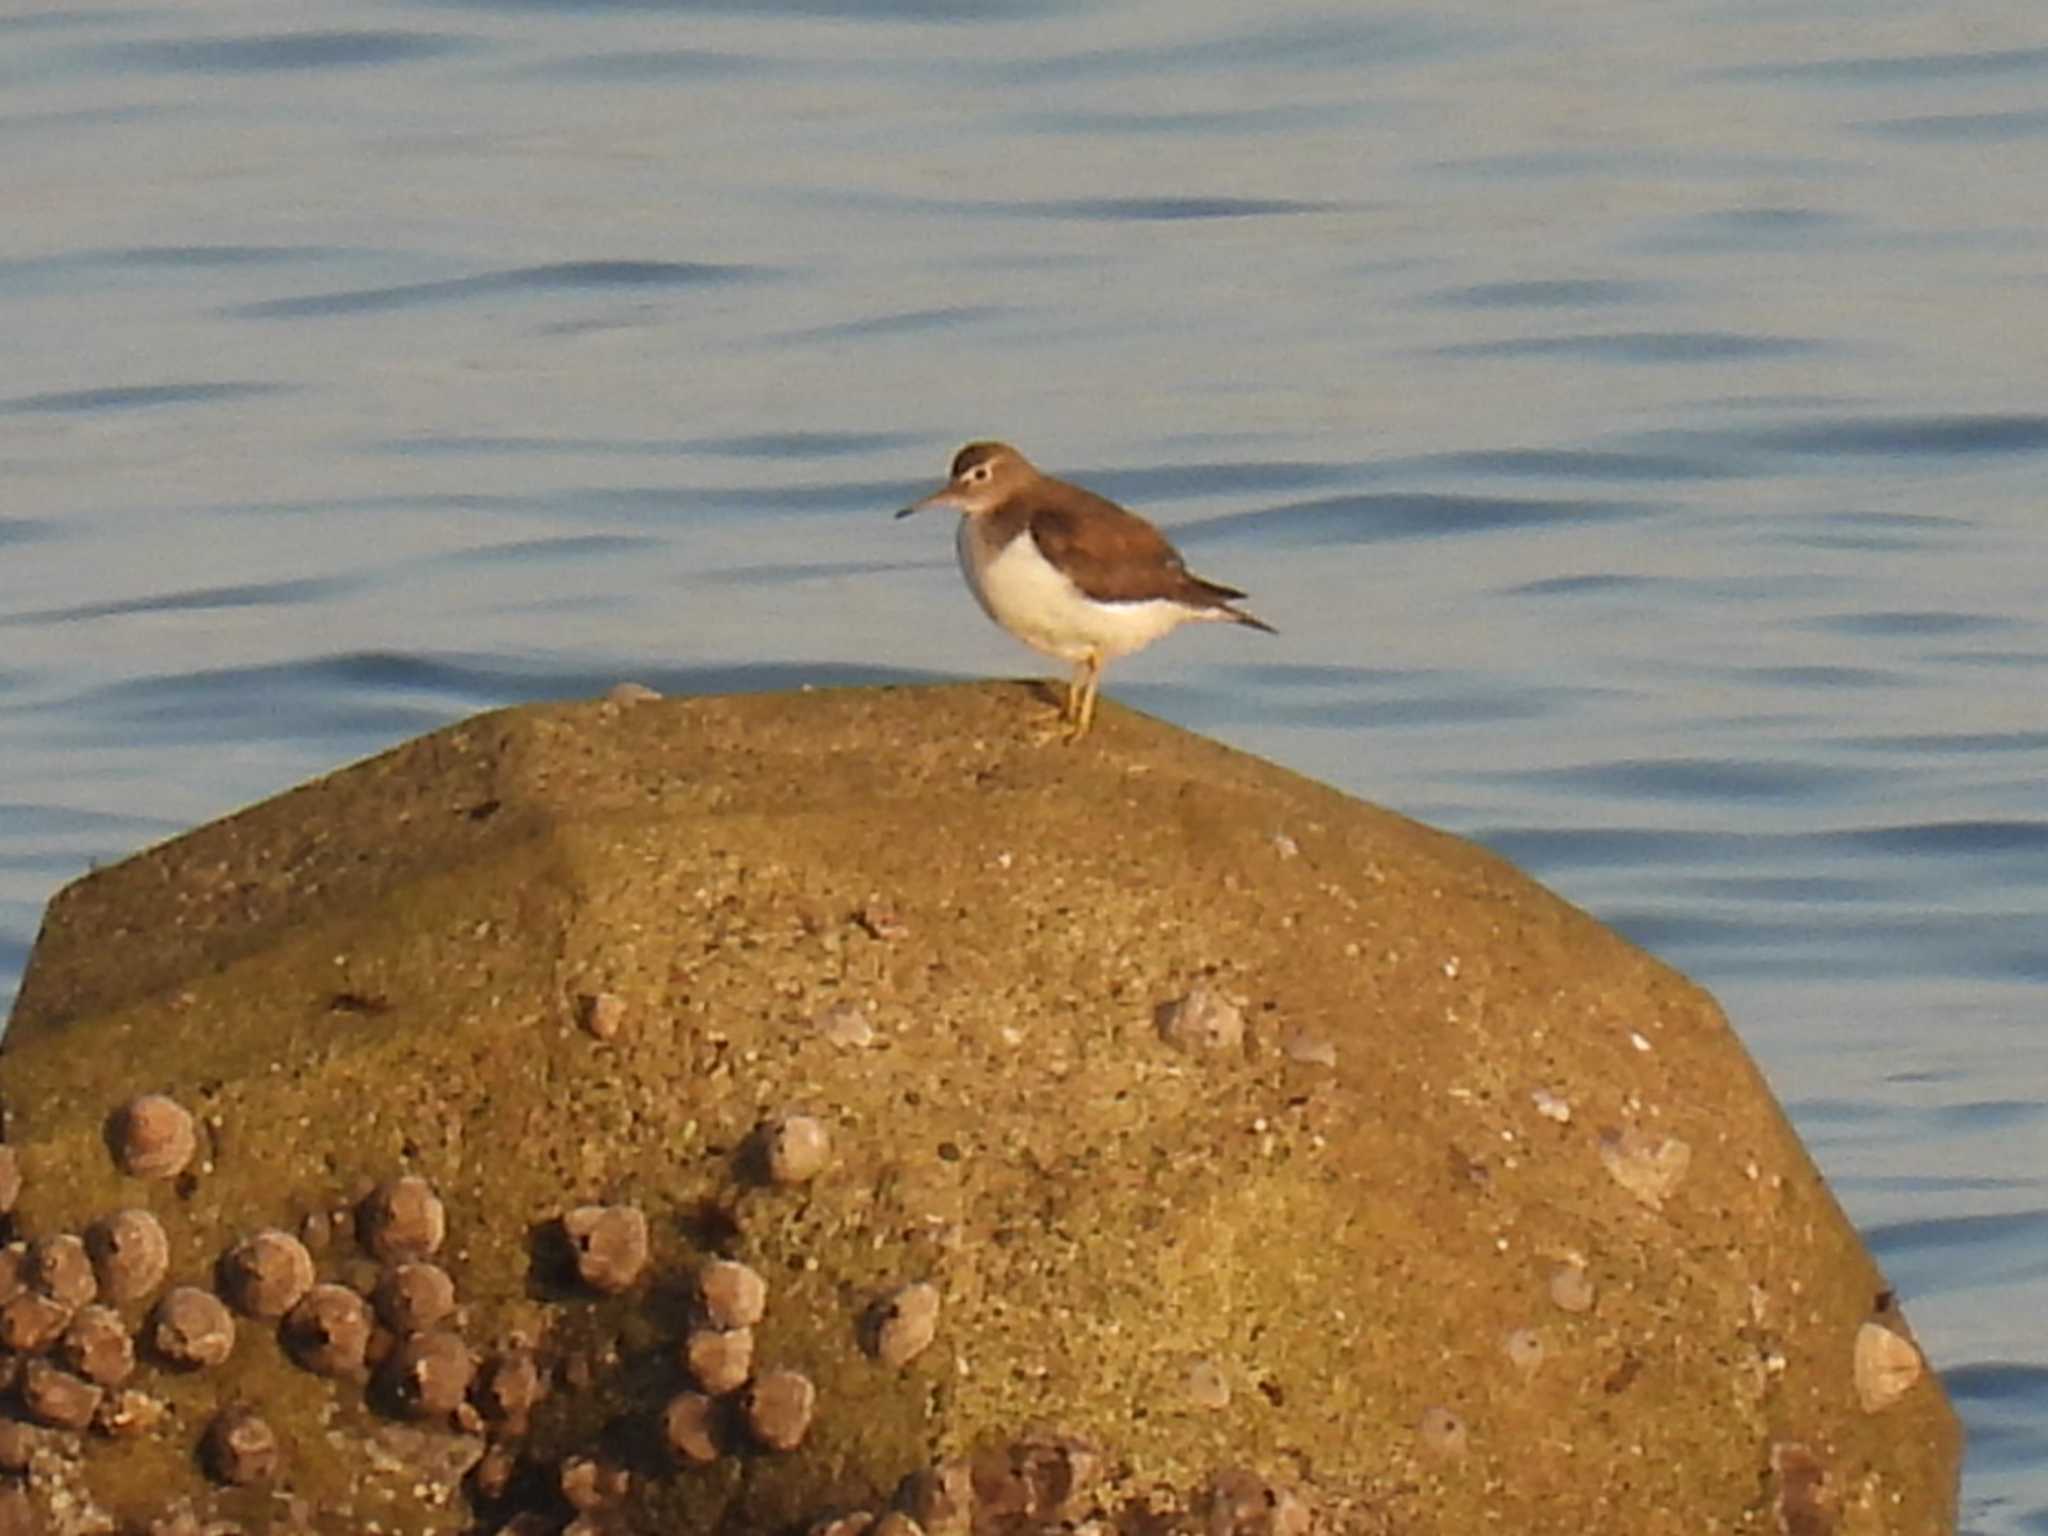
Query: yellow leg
1087	679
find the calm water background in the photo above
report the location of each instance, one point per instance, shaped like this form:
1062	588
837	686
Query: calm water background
1635	415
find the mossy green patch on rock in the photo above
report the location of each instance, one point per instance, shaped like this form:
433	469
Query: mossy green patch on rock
1285	1256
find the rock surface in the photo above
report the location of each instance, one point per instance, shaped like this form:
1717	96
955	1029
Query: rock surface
384	974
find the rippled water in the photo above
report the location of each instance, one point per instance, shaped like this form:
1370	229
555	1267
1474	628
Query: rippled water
1635	418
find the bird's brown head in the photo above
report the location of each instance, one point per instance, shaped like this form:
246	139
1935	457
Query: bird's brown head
984	475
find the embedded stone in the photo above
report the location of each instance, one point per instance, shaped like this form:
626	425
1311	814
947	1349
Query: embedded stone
428	1374
690	1428
1203	1020
794	1148
731	1294
56	1397
719	1359
191	1328
778	1409
264	1275
130	1254
10	1178
602	1014
60	1268
904	1324
31	1322
410	1297
153	1137
610	1245
401	1219
328	1331
97	1346
240	1448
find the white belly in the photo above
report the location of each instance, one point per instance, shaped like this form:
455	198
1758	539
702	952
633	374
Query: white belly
1030	597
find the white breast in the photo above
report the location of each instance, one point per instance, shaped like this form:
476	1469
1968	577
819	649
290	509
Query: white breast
1030	597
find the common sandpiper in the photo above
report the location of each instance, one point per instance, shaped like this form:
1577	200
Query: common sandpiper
1068	572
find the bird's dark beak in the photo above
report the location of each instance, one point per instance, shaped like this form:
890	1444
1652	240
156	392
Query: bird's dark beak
942	497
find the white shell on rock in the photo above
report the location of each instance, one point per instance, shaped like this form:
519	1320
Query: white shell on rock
1204	1020
1887	1365
1648	1167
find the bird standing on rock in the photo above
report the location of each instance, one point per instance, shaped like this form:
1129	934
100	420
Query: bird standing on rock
1068	572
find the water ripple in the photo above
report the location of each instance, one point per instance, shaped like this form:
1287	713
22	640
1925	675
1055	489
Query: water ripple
255	594
567	275
133	397
283	51
1551	293
1640	347
1375	518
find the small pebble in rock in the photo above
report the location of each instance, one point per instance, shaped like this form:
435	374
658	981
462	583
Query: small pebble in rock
903	1325
940	1498
264	1275
96	1345
689	1426
733	1295
855	1523
402	1219
1524	1349
1035	1481
239	1448
1648	1167
778	1409
153	1137
130	1254
19	1443
1309	1050
896	1523
10	1178
1551	1107
1571	1289
794	1148
128	1412
846	1025
883	921
1442	1433
494	1471
31	1322
1204	1020
609	1243
191	1328
1206	1386
1805	1502
428	1374
410	1297
60	1268
56	1397
509	1388
719	1359
328	1332
1886	1366
602	1014
631	693
588	1482
13	1271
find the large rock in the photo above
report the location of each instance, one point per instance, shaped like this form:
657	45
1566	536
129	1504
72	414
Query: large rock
1275	1160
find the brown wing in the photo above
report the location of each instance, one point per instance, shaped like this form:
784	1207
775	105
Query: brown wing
1112	555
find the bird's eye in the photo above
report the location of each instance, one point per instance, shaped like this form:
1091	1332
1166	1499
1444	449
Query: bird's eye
978	473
